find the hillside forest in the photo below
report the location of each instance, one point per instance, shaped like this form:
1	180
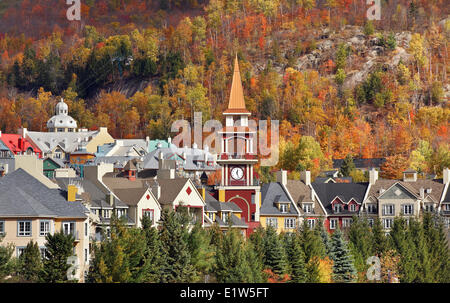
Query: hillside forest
339	84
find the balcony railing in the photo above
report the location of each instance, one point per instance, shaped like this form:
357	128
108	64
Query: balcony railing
228	156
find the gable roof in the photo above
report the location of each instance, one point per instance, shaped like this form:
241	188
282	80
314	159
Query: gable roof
436	186
272	193
17	144
35	199
68	141
327	192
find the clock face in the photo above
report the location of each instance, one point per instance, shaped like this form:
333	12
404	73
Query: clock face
237	173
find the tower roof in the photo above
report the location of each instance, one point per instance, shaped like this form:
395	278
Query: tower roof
236	104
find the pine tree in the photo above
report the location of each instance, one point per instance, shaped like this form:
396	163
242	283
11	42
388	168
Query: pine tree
438	247
176	263
255	264
297	261
30	262
325	237
343	268
202	253
153	252
274	253
6	263
360	244
231	260
59	249
423	261
402	242
257	239
380	243
314	249
347	166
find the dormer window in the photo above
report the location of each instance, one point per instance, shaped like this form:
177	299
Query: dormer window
307	208
352	207
283	208
337	208
225	217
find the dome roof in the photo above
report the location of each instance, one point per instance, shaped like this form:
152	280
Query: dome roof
61	108
61	119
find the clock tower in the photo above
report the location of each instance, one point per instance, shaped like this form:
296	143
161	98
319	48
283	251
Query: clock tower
238	156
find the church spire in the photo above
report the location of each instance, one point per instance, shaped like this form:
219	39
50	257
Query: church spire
236	103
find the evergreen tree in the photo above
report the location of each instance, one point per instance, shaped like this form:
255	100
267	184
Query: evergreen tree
232	265
297	261
30	262
402	242
257	239
325	237
202	253
347	166
59	249
343	268
255	264
153	252
438	247
274	253
314	249
360	244
380	243
6	263
176	263
422	258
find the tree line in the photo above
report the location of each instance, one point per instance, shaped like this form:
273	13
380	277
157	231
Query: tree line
179	251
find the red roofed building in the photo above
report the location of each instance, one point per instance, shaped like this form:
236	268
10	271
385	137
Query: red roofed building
19	145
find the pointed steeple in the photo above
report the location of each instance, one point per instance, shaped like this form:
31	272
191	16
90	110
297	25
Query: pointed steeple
236	103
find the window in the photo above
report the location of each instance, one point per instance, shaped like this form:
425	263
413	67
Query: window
253	199
44	252
24	228
121	212
408	209
44	228
311	223
352	207
225	216
346	222
333	223
19	251
211	216
447	207
387	223
289	223
283	208
148	213
388	209
86	229
307	208
253	217
429	207
272	222
337	208
371	208
69	228
447	222
86	255
106	213
2	228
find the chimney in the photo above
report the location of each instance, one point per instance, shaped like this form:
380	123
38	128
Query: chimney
305	176
373	176
71	192
422	193
156	189
446	176
282	177
172	173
